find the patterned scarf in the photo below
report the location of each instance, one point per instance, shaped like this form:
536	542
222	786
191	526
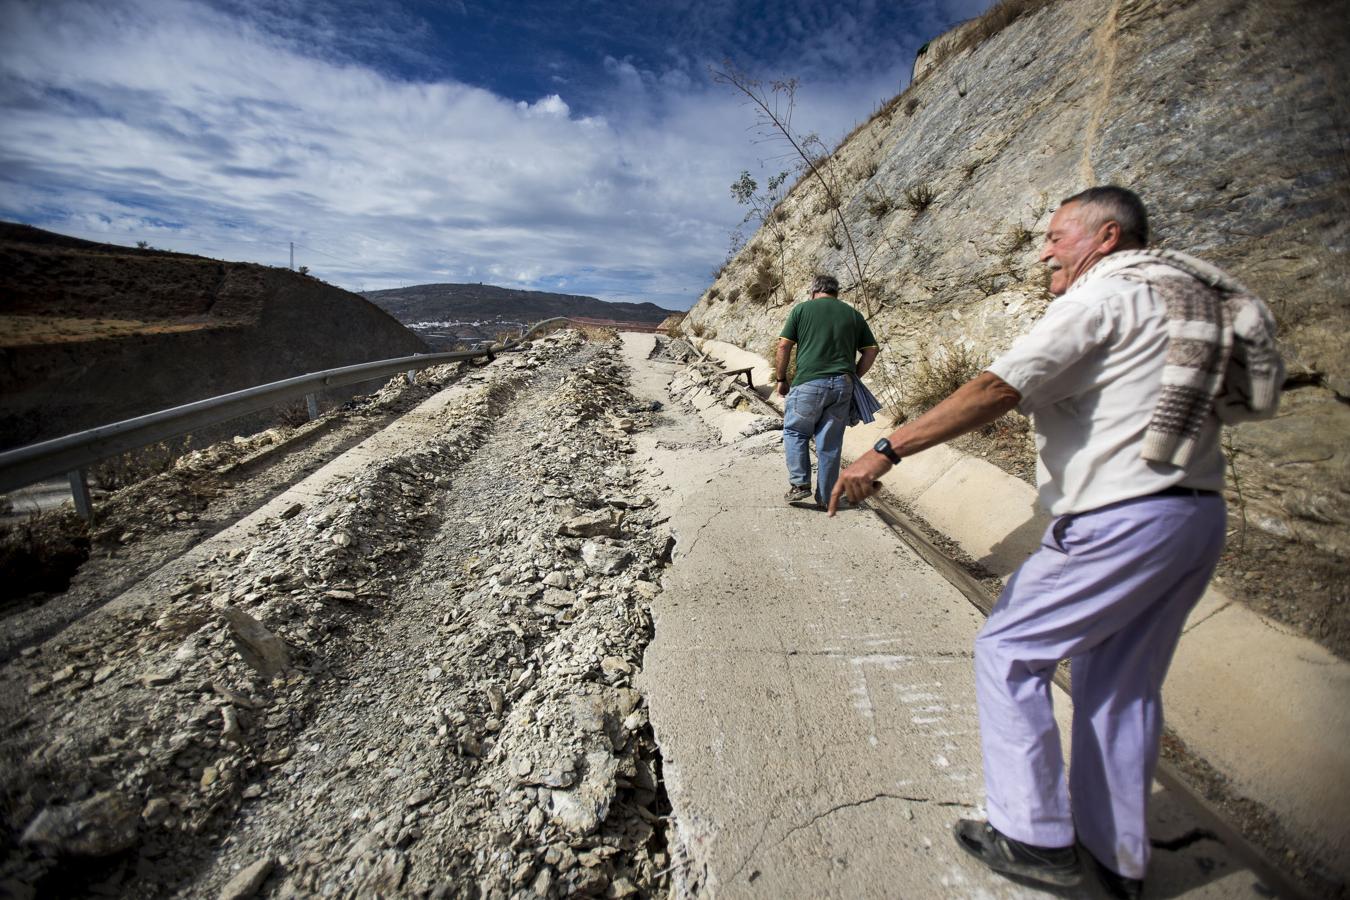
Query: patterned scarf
1221	353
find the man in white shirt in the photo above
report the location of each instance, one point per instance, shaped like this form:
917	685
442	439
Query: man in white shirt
1122	376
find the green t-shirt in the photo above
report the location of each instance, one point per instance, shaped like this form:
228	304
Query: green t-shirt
828	334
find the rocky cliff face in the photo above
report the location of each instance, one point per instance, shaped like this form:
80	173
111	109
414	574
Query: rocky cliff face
1230	119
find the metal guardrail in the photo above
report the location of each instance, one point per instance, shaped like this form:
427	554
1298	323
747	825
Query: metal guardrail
73	453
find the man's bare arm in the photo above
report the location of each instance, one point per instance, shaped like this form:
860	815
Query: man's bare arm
976	403
780	364
973	405
866	357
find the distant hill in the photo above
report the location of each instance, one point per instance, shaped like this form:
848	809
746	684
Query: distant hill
93	333
444	312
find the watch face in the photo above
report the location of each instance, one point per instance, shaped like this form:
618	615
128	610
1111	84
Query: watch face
882	446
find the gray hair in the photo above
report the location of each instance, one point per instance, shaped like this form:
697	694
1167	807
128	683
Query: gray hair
1109	203
825	284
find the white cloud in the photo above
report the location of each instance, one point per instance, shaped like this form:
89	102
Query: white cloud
552	105
179	124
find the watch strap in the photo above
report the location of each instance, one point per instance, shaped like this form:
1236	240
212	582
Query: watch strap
884	447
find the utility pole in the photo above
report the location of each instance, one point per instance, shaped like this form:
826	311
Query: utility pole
292	256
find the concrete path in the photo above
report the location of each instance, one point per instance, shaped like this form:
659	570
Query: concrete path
811	687
1268	708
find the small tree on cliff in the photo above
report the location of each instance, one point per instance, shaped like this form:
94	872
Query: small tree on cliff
764	210
774	107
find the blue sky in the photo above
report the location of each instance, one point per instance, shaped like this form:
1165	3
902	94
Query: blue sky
575	145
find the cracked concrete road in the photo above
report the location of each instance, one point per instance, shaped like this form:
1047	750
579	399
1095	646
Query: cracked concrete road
811	689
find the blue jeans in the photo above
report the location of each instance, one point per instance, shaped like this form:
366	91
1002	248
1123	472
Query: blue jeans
817	409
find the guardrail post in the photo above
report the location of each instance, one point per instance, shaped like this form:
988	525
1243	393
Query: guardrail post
79	492
312	403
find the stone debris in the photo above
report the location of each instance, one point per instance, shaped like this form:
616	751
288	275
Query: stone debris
247	882
102	825
260	648
418	684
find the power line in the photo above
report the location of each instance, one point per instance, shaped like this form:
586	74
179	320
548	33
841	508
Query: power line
209	241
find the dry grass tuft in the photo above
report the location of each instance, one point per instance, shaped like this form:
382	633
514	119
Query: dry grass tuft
1016	239
948	366
41	555
770	353
976	32
919	198
137	465
879	204
763	283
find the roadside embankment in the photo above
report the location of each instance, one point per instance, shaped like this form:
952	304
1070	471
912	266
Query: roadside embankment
410	674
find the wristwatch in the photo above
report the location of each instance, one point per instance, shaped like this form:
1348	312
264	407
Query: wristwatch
884	447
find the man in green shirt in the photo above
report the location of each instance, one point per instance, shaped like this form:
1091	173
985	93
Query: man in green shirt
834	346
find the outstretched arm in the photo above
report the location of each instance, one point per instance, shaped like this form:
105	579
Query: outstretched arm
976	403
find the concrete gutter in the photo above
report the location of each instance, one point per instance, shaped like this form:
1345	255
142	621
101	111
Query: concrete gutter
811	688
1267	708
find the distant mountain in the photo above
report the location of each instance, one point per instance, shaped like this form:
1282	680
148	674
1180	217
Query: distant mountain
472	311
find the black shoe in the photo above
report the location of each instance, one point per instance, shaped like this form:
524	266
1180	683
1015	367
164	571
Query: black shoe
797	492
1048	865
1115	885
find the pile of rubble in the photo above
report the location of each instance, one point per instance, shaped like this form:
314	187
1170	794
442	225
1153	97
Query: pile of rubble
420	682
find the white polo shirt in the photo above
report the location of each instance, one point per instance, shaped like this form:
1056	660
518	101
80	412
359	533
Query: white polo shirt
1089	373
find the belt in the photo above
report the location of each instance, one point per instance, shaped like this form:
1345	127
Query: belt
1177	490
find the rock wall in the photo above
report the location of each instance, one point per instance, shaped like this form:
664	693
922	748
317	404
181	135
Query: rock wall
1230	119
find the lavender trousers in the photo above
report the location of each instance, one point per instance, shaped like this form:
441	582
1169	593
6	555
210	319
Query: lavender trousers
1108	589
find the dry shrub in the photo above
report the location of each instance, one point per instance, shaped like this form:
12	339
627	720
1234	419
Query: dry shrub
988	283
830	235
41	555
947	366
136	465
864	171
823	205
1016	239
995	19
293	414
770	353
884	112
733	294
599	333
919	197
763	283
879	204
698	329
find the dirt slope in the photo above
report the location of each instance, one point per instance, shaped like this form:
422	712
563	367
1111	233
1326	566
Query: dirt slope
93	333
